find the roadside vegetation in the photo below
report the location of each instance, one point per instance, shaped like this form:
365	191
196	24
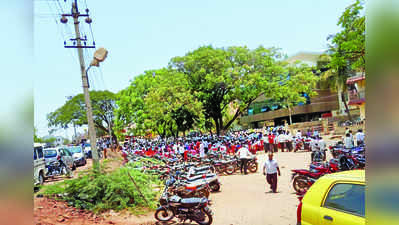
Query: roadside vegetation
108	190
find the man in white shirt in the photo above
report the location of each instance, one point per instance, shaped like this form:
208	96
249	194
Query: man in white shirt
243	154
348	141
202	150
181	150
298	134
359	137
271	170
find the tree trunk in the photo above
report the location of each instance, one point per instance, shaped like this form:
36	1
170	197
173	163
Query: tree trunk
340	99
346	106
217	125
290	114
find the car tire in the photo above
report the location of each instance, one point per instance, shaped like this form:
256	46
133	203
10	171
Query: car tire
41	178
73	166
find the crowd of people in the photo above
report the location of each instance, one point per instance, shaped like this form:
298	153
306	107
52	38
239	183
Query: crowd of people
244	144
270	139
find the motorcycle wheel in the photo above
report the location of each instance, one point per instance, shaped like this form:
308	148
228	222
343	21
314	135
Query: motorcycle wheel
41	178
300	183
230	169
164	215
207	217
253	167
219	170
214	187
64	170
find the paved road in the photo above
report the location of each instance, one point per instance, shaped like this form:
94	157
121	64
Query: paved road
245	199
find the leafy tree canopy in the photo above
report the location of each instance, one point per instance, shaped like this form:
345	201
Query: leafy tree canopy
74	111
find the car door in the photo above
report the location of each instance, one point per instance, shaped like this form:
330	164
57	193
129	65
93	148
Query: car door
344	205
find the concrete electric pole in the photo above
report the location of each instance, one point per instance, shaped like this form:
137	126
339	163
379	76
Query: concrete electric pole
78	40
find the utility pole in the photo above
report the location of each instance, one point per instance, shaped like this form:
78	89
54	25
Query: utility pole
78	40
109	126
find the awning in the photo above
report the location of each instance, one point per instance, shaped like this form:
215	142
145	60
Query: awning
357	101
355	79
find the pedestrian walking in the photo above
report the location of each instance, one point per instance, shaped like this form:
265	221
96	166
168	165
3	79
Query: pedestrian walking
243	154
271	170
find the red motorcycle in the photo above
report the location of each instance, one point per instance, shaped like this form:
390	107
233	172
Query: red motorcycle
303	179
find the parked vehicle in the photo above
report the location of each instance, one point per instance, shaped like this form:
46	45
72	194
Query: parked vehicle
88	154
39	164
55	154
57	168
79	157
193	209
336	199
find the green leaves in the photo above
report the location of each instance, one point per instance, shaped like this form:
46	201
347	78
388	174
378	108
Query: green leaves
73	112
208	87
101	191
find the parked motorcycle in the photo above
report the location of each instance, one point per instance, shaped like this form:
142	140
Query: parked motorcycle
192	209
57	168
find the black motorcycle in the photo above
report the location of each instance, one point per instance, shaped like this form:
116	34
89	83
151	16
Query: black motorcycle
192	209
57	168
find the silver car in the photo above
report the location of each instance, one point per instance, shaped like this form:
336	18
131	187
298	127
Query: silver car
78	155
53	154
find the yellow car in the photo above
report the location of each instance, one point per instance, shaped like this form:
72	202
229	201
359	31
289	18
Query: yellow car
334	199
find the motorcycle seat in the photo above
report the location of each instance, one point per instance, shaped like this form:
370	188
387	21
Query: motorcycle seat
190	202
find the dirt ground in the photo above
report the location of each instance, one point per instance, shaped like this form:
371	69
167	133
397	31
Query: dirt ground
243	200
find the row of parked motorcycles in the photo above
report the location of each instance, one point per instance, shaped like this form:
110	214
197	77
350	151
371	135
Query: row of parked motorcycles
343	160
189	183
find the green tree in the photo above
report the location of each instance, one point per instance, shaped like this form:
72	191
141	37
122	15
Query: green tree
73	112
347	50
219	76
36	138
132	110
158	101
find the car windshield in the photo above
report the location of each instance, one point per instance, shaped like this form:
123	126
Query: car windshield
50	153
75	149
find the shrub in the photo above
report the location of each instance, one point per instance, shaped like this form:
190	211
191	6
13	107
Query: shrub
101	191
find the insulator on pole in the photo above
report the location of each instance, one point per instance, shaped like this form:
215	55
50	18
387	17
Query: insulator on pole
64	19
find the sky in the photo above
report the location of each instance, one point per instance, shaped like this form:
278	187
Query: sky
144	35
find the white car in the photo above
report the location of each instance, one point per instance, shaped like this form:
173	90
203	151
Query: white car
39	164
78	155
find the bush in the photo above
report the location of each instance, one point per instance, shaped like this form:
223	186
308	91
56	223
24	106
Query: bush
103	191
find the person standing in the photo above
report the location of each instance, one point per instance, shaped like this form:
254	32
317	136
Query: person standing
181	150
348	141
271	138
243	154
359	137
202	150
265	140
281	138
271	170
289	140
298	134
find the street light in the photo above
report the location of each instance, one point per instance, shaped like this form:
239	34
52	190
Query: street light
99	56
